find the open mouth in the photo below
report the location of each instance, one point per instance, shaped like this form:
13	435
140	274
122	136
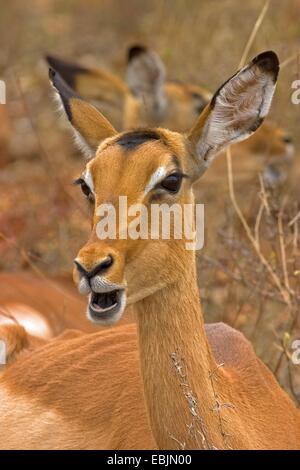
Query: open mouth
106	306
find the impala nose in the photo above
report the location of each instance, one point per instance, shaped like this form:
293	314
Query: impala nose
96	270
88	278
99	269
106	296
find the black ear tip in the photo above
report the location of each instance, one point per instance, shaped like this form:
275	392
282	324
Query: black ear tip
50	60
135	51
268	61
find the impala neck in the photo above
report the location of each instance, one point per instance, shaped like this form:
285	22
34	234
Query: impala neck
177	367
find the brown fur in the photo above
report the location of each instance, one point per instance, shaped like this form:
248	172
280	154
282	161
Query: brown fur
15	339
70	374
52	303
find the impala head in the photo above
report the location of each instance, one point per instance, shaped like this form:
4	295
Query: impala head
153	100
153	166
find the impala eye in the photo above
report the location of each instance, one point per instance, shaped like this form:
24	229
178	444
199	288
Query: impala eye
85	189
172	183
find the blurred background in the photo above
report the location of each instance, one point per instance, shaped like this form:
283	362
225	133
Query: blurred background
43	221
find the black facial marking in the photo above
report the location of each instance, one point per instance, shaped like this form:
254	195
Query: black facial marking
67	70
134	139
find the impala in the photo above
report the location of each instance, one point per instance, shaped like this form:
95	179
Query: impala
44	307
33	309
185	386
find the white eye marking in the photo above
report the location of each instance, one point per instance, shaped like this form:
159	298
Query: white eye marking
157	176
89	180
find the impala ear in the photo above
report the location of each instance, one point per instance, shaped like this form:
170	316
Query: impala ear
69	72
89	125
146	77
237	109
